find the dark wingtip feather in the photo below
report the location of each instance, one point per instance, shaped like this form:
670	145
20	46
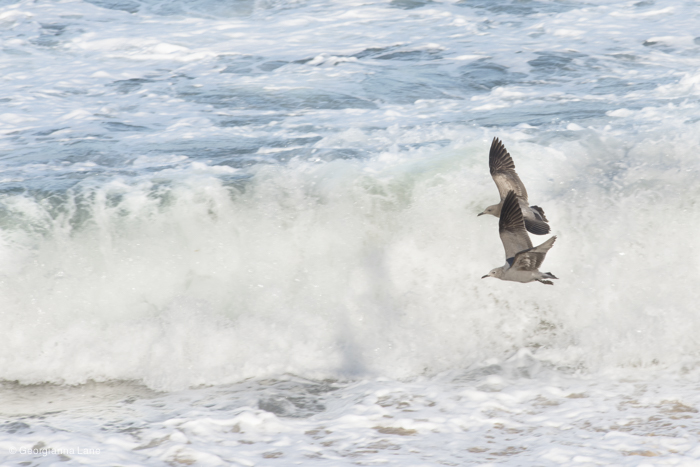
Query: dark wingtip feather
537	227
499	159
511	215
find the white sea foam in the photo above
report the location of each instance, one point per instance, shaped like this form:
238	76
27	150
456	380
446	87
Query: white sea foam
352	267
201	193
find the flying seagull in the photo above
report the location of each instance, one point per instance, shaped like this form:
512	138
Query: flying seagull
522	260
503	172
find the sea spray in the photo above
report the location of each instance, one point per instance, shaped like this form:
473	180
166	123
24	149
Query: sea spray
348	268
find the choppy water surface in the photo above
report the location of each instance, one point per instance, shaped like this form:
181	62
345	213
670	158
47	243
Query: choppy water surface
232	223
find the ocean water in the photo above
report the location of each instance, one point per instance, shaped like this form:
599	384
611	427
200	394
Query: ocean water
245	233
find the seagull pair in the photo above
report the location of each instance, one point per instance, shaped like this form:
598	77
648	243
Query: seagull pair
516	217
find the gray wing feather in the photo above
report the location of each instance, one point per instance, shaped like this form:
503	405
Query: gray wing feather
531	259
536	227
503	172
511	227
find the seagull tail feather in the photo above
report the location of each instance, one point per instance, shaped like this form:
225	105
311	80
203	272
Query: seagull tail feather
540	211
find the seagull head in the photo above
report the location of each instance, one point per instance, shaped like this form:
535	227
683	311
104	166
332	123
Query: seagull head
494	210
497	272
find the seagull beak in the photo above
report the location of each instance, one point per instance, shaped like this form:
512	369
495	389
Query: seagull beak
481	213
484	277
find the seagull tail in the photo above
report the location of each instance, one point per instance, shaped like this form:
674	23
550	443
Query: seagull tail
536	227
546	275
540	211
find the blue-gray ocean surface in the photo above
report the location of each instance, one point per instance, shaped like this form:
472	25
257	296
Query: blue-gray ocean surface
245	233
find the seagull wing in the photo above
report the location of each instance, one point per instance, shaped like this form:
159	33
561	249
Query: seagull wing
511	227
503	171
531	260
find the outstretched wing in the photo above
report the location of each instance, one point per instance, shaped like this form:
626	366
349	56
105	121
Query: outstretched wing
511	226
503	171
531	260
